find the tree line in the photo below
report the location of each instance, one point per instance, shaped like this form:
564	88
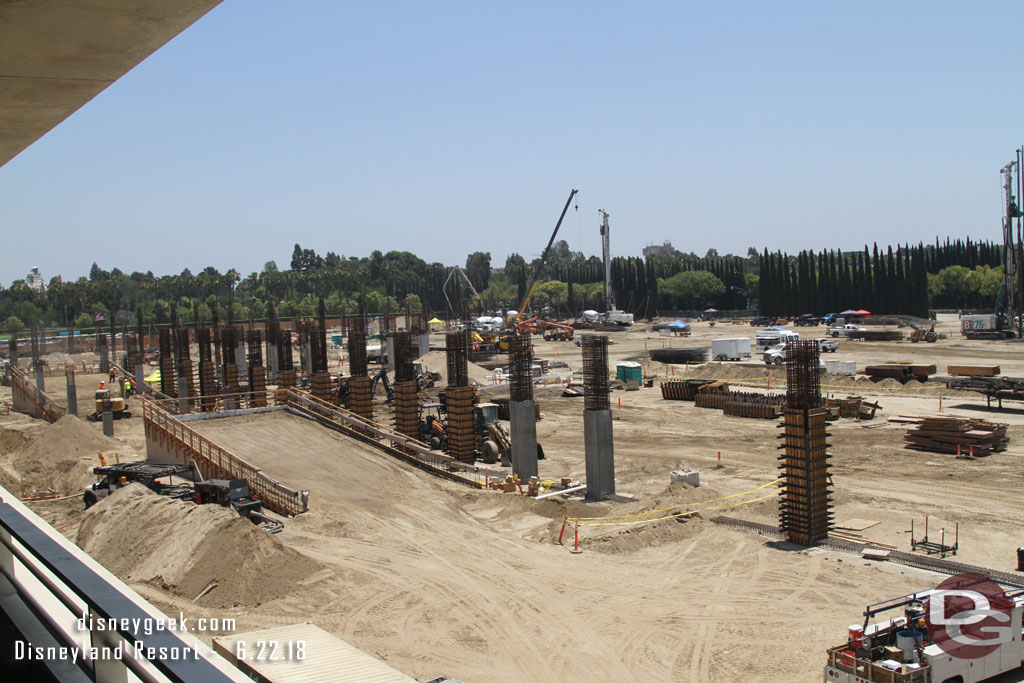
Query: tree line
906	280
903	279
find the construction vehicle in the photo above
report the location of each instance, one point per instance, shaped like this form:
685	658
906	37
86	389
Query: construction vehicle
117	406
557	331
235	493
494	442
149	474
543	260
929	336
910	648
613	315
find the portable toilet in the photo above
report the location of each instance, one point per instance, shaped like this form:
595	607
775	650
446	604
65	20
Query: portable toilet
627	370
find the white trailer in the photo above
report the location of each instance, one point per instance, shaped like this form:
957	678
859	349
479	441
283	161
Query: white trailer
769	337
730	348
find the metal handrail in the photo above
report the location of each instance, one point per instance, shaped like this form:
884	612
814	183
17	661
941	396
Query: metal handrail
43	556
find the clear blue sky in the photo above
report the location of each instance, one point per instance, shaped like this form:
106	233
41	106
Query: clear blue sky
449	127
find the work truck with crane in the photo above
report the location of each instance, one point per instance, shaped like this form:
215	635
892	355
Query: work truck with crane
923	642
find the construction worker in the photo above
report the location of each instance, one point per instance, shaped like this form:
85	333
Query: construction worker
102	386
113	375
127	387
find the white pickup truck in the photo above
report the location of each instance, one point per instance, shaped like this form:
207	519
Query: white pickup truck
844	330
777	354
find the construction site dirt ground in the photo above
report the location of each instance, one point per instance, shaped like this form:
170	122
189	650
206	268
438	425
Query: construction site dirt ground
438	578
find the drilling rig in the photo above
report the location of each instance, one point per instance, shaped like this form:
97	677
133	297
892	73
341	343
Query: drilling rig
613	315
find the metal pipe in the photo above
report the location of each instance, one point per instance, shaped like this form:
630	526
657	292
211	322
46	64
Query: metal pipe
573	489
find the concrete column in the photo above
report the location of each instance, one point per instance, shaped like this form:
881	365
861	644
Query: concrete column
389	348
40	380
72	392
424	343
275	364
140	378
108	417
307	359
183	393
241	361
600	454
104	357
523	425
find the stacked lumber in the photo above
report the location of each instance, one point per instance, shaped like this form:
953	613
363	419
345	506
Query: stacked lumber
973	370
945	434
900	373
875	335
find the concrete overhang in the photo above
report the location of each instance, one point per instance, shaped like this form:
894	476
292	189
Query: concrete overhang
56	55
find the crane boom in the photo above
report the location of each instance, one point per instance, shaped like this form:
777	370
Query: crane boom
543	259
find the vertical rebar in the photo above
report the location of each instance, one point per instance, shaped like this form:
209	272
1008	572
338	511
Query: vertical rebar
805	505
457	358
520	361
595	372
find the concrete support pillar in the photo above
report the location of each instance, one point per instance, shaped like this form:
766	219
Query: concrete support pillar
389	349
600	455
241	361
275	365
523	425
424	343
307	359
108	417
40	380
104	355
72	392
140	378
183	394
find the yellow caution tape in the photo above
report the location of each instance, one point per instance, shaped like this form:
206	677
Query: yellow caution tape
682	514
673	507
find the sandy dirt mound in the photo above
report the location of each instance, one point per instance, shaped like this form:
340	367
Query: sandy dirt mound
183	548
64	452
436	361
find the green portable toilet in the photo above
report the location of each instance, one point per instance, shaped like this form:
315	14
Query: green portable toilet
629	370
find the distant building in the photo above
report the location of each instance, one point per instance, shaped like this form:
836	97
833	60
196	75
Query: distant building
35	280
653	249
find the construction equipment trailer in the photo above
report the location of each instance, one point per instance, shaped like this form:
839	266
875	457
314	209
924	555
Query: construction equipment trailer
149	474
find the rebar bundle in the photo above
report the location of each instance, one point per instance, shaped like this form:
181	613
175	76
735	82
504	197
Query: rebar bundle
520	360
357	353
803	379
257	373
167	385
457	358
595	372
805	511
37	359
207	370
405	354
183	361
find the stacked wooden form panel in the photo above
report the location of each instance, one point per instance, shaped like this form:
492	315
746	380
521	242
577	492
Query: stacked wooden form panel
681	389
955	435
805	511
